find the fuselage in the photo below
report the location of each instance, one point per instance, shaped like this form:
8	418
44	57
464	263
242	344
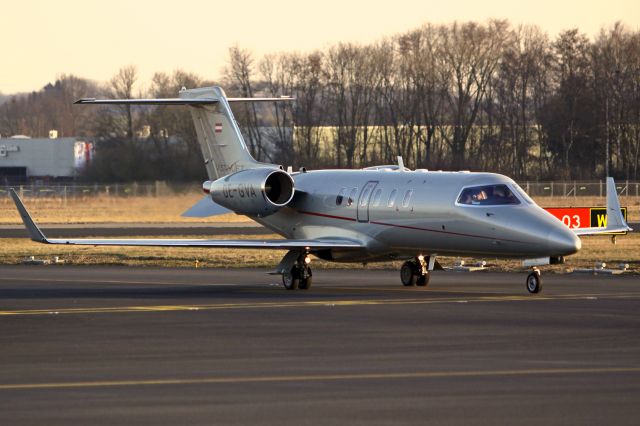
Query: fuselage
400	214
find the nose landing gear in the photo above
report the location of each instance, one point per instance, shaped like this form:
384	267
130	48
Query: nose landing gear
534	282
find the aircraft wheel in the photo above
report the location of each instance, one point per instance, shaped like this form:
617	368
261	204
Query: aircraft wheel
409	274
305	283
534	282
291	279
423	280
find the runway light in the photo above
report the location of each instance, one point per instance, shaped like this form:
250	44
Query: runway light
307	260
420	258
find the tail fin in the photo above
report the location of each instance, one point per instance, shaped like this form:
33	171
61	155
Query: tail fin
222	144
223	147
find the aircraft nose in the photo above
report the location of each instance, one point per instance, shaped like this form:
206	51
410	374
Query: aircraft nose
563	242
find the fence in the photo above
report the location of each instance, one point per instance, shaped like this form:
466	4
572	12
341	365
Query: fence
579	188
159	189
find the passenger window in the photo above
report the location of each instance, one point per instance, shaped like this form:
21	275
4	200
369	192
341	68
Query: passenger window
392	198
352	196
364	197
340	196
407	198
377	195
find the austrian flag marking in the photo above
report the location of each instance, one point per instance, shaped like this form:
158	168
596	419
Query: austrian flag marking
218	128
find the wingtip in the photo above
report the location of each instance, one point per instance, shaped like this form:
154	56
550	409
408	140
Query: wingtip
34	232
84	101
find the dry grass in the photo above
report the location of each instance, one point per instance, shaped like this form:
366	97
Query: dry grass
13	251
167	209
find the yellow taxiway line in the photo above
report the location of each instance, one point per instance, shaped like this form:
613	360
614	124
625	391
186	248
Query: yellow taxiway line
320	378
315	303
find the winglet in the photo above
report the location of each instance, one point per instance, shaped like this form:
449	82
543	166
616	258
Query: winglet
614	212
34	232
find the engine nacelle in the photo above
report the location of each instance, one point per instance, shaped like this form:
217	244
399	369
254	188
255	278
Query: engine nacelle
254	192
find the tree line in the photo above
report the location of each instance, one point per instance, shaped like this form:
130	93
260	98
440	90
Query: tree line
480	96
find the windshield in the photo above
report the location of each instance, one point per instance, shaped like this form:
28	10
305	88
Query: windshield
523	194
488	195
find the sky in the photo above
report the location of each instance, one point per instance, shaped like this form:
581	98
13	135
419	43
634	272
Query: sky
93	39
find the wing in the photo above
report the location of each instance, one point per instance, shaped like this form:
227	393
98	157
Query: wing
317	244
615	219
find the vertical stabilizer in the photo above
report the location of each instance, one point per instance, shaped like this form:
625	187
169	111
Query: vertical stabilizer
223	147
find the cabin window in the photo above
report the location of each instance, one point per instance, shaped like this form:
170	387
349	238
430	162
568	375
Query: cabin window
488	195
340	196
352	196
377	195
392	198
407	198
365	196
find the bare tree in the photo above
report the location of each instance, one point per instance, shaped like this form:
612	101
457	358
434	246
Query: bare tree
121	86
472	53
277	73
239	75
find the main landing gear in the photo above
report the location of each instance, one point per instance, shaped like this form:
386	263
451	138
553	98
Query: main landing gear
299	275
416	272
534	282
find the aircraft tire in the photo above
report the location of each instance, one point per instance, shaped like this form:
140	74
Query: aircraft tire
305	283
291	280
423	280
409	274
534	282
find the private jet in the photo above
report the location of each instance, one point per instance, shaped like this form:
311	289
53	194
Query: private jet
374	214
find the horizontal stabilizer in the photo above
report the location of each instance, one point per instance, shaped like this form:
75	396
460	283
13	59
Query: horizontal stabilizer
280	99
174	101
166	101
205	208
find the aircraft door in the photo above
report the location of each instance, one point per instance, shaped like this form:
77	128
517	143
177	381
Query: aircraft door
363	201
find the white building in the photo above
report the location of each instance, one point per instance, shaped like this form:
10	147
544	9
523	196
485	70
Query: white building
22	158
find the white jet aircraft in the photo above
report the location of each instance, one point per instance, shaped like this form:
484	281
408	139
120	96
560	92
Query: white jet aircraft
373	214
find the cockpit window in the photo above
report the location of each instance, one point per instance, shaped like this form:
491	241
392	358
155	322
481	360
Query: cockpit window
522	194
488	195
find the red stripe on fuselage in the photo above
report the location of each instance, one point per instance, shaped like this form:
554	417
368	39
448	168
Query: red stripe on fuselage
327	215
415	228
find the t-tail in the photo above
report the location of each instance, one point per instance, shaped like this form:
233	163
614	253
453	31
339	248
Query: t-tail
223	147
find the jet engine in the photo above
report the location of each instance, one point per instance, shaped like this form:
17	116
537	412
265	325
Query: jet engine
253	192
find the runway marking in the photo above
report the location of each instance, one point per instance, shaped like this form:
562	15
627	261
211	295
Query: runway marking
312	303
49	280
320	378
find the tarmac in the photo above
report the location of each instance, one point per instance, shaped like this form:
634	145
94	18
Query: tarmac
117	345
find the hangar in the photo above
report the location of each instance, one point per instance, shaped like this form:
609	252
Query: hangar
23	158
